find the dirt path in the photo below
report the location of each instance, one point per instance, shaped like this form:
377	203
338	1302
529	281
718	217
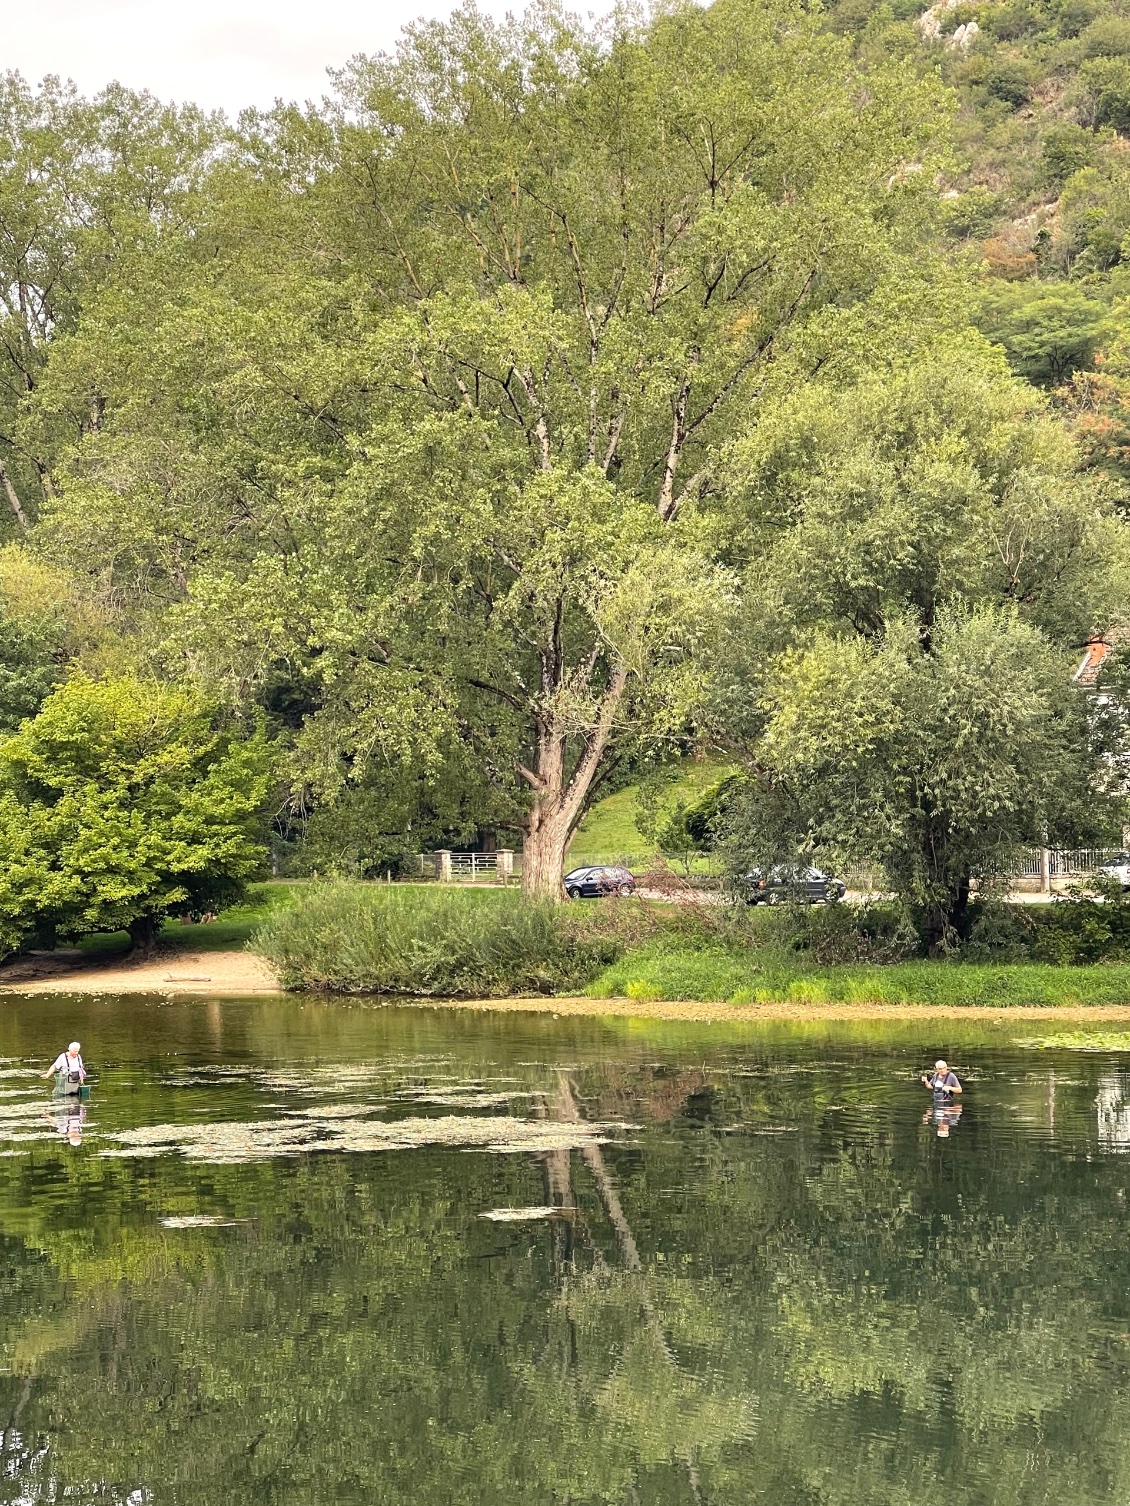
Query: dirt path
174	972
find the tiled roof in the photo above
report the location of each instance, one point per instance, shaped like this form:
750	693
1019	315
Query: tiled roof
1099	650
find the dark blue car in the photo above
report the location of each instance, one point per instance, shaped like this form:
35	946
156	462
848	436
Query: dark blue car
599	882
809	885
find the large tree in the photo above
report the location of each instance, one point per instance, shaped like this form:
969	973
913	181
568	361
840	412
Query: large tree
928	568
439	426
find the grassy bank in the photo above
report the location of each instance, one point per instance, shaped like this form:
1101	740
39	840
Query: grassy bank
363	938
356	938
741	976
232	929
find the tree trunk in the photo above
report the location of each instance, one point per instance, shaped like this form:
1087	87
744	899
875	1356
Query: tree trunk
13	497
558	803
143	935
946	920
543	857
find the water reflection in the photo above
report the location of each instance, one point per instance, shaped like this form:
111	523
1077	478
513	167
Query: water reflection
1112	1104
315	1254
943	1116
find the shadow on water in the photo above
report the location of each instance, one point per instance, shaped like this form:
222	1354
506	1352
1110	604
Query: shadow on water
304	1252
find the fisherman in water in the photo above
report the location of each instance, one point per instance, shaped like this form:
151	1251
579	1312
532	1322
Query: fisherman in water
942	1082
68	1069
944	1085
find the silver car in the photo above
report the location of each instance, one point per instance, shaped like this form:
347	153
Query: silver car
1118	868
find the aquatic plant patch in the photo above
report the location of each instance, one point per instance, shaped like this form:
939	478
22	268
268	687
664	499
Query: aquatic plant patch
351	1128
1078	1040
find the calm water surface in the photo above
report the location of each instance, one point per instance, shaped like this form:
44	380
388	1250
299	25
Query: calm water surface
305	1253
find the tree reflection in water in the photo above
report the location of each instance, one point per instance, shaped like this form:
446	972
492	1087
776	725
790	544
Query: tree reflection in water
780	1286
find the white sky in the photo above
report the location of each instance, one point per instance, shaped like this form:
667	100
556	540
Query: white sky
218	53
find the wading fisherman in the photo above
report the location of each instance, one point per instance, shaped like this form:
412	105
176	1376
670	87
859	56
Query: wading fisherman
942	1083
68	1070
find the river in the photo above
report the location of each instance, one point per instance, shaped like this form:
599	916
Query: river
306	1252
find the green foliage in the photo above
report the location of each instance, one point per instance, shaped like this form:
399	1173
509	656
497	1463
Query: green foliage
1009	80
902	673
447	372
121	801
938	764
1068	932
1047	330
349	938
29	667
1067	149
742	977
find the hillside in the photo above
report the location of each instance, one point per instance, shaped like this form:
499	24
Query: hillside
1038	200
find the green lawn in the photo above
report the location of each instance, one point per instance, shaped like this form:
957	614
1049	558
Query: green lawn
609	832
231	930
742	977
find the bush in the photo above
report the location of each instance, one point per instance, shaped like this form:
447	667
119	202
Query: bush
356	938
1010	81
834	934
1070	932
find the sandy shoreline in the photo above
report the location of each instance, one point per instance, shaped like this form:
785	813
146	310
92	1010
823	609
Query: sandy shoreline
175	972
243	974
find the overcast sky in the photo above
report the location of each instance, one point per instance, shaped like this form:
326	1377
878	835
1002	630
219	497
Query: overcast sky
226	53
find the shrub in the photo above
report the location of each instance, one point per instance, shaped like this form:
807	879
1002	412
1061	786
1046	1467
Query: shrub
1067	149
357	938
1070	932
1106	36
1010	81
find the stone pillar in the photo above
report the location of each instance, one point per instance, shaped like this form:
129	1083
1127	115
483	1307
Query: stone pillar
505	864
1045	871
443	865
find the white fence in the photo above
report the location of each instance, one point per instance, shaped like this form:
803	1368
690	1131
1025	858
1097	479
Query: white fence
1070	863
501	867
471	867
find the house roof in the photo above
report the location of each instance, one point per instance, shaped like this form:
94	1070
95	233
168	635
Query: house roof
1098	652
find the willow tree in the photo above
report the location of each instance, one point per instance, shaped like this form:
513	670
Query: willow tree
472	430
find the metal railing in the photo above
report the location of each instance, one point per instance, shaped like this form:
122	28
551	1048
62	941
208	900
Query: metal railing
1067	863
470	867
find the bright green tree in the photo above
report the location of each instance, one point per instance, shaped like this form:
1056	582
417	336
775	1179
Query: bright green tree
925	566
458	459
121	801
1048	330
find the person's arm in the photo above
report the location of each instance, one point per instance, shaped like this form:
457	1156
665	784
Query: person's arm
52	1069
952	1084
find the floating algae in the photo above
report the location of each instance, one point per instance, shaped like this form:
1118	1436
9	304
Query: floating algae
1077	1040
202	1221
231	1143
521	1215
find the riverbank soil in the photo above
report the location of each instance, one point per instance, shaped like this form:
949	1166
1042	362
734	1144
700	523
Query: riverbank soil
174	970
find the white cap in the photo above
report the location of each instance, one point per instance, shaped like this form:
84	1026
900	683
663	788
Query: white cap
74	1046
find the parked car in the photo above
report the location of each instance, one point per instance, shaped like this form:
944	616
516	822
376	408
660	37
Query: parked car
812	885
597	883
1118	868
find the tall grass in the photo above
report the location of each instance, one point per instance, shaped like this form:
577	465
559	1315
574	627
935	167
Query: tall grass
356	938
